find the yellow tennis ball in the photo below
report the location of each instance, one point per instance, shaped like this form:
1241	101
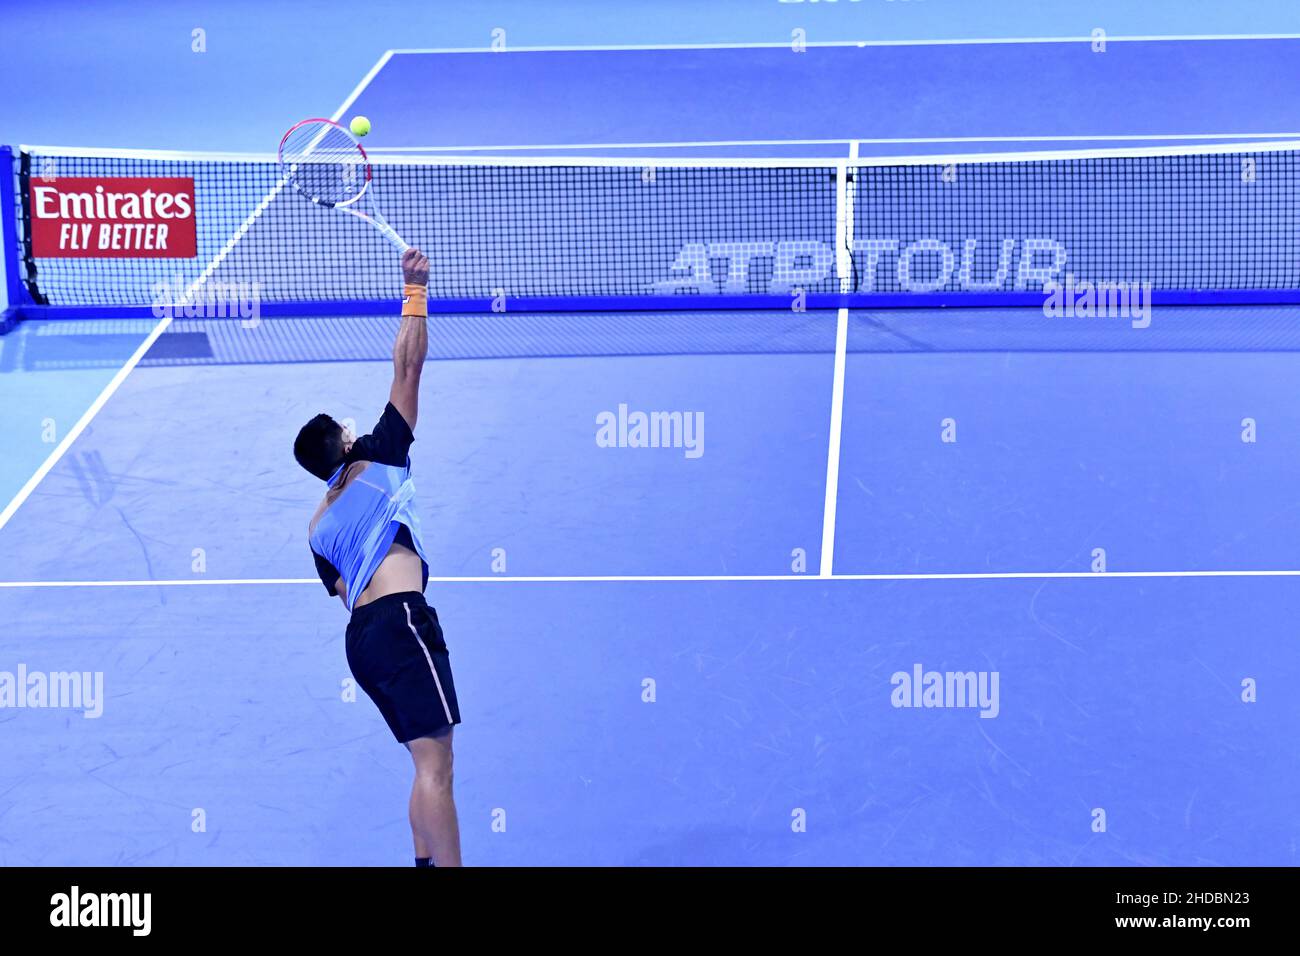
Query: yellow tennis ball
360	125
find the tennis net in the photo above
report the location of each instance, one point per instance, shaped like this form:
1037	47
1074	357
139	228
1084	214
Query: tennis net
1208	224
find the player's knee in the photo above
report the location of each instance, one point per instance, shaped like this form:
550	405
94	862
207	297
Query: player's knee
433	761
438	777
436	772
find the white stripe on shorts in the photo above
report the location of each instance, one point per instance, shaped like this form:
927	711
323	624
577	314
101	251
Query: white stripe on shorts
432	670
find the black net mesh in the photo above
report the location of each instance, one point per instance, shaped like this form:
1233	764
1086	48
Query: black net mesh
550	231
1199	221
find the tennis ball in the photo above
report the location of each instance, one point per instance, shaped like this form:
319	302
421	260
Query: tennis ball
360	125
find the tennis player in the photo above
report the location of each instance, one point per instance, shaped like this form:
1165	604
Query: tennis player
365	537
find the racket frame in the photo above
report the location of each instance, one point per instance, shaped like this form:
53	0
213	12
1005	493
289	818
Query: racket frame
373	215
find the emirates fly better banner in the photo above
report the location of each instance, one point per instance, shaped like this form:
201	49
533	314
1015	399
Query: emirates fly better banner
99	217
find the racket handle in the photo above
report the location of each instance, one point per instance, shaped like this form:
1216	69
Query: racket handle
391	235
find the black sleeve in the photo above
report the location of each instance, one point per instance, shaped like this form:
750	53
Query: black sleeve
328	575
388	444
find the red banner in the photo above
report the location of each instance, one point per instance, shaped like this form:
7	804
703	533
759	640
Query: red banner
113	217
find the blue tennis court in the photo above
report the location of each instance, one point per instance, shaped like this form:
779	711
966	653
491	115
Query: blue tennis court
953	585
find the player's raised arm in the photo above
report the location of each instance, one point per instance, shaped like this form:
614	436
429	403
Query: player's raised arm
412	338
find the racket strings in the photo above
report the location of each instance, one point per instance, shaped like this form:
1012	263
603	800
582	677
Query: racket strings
324	162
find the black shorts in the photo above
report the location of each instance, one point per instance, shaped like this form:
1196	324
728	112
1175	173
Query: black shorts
396	652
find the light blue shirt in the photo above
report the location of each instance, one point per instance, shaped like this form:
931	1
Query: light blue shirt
356	529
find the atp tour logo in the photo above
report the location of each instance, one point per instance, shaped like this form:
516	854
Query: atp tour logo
113	218
922	265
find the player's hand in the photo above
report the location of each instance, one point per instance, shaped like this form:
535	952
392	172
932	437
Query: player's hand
415	267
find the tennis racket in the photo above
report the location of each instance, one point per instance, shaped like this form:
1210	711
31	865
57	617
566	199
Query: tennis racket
325	163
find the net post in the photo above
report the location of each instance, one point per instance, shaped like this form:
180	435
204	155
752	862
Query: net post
32	290
15	293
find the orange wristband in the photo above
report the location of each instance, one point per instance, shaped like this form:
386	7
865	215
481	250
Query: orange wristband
415	300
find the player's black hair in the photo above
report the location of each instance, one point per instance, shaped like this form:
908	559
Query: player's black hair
319	446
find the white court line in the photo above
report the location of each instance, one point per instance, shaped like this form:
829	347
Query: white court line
118	152
833	448
844	200
981	41
674	578
361	87
878	141
25	492
778	162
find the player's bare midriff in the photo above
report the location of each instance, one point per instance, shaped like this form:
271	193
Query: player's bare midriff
400	571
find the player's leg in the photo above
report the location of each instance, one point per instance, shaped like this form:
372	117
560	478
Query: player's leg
433	809
397	654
